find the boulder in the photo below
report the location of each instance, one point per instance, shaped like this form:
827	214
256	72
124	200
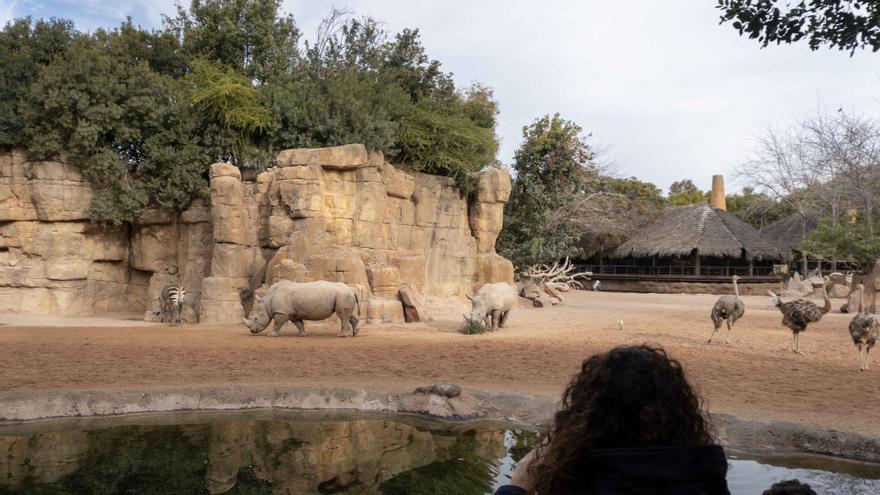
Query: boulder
494	186
413	306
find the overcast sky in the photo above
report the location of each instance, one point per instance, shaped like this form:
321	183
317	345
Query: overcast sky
673	94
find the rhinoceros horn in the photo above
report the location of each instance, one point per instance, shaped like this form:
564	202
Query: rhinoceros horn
248	322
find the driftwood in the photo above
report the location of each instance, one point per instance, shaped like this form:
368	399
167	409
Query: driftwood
559	277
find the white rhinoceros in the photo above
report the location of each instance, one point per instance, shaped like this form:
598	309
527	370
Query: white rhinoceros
491	304
298	301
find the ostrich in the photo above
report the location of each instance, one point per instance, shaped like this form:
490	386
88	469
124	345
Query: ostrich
799	313
864	329
728	308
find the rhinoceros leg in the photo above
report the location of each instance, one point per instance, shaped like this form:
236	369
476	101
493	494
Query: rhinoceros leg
301	327
280	320
503	319
354	325
346	325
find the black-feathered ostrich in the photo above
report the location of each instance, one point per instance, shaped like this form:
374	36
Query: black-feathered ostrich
799	313
864	330
728	308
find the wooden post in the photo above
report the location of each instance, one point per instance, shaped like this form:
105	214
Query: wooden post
751	266
696	262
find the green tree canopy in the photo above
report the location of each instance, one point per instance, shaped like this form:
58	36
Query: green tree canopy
145	112
684	192
843	240
551	167
843	24
755	208
683	186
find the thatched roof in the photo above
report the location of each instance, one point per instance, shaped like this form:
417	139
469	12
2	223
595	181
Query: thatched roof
711	231
787	233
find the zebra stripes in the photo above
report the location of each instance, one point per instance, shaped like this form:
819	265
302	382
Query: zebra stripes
171	302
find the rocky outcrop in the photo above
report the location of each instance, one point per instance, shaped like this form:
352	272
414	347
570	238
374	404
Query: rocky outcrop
52	259
345	215
339	214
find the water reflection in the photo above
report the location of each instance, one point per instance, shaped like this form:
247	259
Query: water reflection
240	454
277	453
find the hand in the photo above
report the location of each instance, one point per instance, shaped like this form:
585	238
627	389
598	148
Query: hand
521	476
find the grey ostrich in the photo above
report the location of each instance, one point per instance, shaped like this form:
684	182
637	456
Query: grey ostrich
728	308
799	313
864	329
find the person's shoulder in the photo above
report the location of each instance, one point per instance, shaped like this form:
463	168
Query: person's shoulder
510	490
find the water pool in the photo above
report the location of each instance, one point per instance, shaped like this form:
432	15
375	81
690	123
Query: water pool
266	452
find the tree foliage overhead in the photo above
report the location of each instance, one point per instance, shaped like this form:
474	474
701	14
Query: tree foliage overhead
842	24
551	166
144	113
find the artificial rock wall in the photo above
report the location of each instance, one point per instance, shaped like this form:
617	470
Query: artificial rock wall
52	259
345	215
339	214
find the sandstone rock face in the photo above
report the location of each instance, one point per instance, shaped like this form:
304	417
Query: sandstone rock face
340	214
52	259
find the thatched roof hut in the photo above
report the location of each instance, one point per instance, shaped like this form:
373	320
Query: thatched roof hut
788	233
699	231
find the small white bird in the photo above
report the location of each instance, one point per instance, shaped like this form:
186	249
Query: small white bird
596	285
620	324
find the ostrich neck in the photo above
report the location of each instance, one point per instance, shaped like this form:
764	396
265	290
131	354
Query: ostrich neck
861	299
735	289
827	306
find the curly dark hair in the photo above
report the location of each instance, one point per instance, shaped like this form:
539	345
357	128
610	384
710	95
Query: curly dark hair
789	487
630	396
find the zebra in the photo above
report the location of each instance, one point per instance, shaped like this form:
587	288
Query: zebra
171	301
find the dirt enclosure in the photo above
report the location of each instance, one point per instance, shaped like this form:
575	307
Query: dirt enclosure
754	377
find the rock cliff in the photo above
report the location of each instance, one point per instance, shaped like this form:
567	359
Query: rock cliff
338	213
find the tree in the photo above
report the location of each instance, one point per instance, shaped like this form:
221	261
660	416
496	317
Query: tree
550	167
250	36
226	100
850	241
827	164
133	136
755	208
25	47
144	112
683	186
844	24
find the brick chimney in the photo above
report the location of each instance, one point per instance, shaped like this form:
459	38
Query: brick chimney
718	199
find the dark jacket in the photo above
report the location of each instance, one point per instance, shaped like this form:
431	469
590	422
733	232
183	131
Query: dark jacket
651	470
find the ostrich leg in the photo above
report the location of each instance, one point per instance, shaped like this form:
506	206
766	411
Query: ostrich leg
867	357
713	334
729	328
797	347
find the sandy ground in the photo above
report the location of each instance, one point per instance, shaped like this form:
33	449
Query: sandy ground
754	377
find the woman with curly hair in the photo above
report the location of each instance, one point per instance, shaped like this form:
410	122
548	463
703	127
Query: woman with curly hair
630	423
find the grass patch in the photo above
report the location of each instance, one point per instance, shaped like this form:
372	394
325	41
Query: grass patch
472	327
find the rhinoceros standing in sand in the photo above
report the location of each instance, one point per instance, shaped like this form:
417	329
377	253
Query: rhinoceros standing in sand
298	301
491	304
